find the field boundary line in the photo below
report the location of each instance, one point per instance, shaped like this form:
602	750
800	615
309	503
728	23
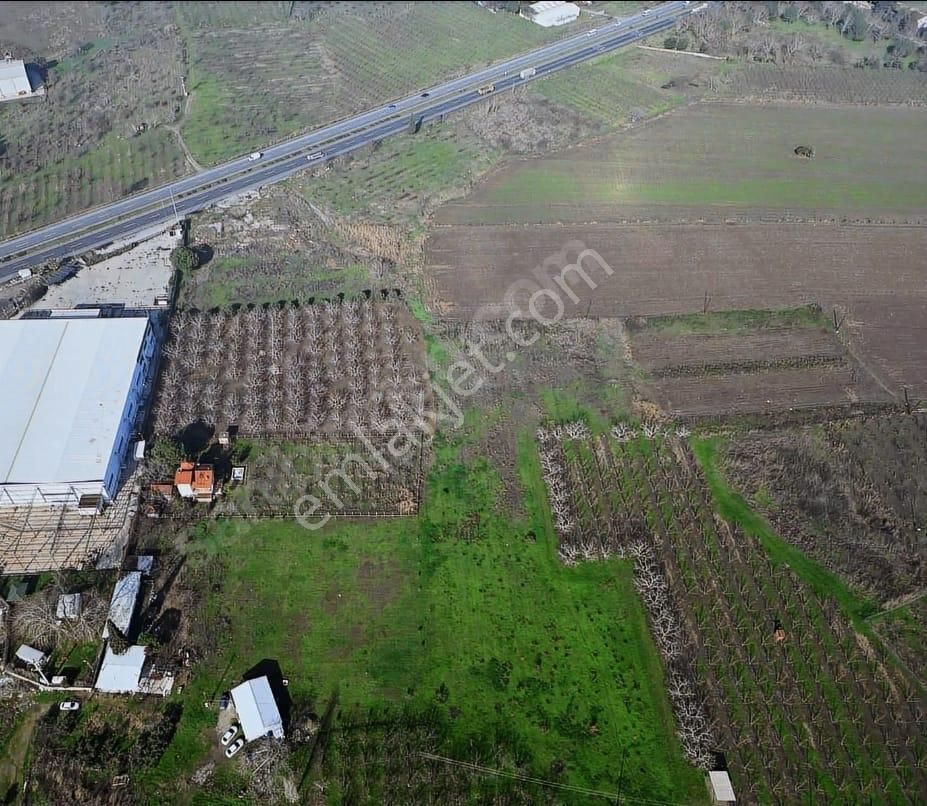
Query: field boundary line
683	52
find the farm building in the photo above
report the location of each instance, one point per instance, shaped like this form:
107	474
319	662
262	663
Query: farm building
123	602
257	709
196	482
550	13
74	385
120	672
16	82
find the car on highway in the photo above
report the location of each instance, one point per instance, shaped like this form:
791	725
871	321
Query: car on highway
592	32
391	106
233	748
230	734
425	94
316	156
255	155
69	705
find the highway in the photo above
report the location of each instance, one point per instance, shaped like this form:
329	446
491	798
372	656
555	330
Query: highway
167	203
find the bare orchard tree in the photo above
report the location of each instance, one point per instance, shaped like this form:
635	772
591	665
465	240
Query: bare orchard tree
692	723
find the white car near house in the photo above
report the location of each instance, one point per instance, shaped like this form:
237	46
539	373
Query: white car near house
230	734
69	705
233	748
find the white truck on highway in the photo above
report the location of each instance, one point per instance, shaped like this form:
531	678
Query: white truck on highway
528	72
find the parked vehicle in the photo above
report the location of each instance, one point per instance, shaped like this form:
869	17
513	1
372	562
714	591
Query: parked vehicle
487	89
528	72
233	748
230	734
69	705
317	156
255	155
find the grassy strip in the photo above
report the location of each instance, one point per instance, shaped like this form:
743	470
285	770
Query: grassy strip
739	321
735	509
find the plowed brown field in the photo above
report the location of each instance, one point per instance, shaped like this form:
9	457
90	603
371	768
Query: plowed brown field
878	274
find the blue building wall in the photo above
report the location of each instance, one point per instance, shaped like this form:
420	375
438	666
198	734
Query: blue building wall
135	403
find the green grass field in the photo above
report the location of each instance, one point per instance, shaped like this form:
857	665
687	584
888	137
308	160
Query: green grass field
460	610
614	90
725	157
403	177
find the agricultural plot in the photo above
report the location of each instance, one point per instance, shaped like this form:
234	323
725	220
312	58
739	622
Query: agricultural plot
330	368
760	667
850	494
458	623
305	69
762	83
114	85
657	270
344	474
748	369
730	161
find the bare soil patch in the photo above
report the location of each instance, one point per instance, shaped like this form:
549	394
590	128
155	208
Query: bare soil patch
669	270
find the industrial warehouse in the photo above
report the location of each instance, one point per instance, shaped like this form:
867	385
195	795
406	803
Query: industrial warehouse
76	382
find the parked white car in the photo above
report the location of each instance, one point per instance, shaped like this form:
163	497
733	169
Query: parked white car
69	705
233	748
230	734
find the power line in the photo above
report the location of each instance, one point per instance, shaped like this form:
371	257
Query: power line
598	793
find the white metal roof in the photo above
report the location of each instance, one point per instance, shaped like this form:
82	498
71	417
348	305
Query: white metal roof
721	786
257	709
28	654
548	13
14	82
122	605
119	674
65	384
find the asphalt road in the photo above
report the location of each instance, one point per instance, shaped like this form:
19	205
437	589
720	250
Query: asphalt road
167	203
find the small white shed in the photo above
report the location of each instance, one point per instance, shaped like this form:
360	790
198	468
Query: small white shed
721	789
257	709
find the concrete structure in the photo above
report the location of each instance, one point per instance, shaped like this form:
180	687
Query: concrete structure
15	81
120	673
549	13
719	782
123	603
257	710
73	386
69	607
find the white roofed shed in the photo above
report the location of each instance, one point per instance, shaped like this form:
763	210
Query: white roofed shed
721	789
120	673
122	604
257	709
